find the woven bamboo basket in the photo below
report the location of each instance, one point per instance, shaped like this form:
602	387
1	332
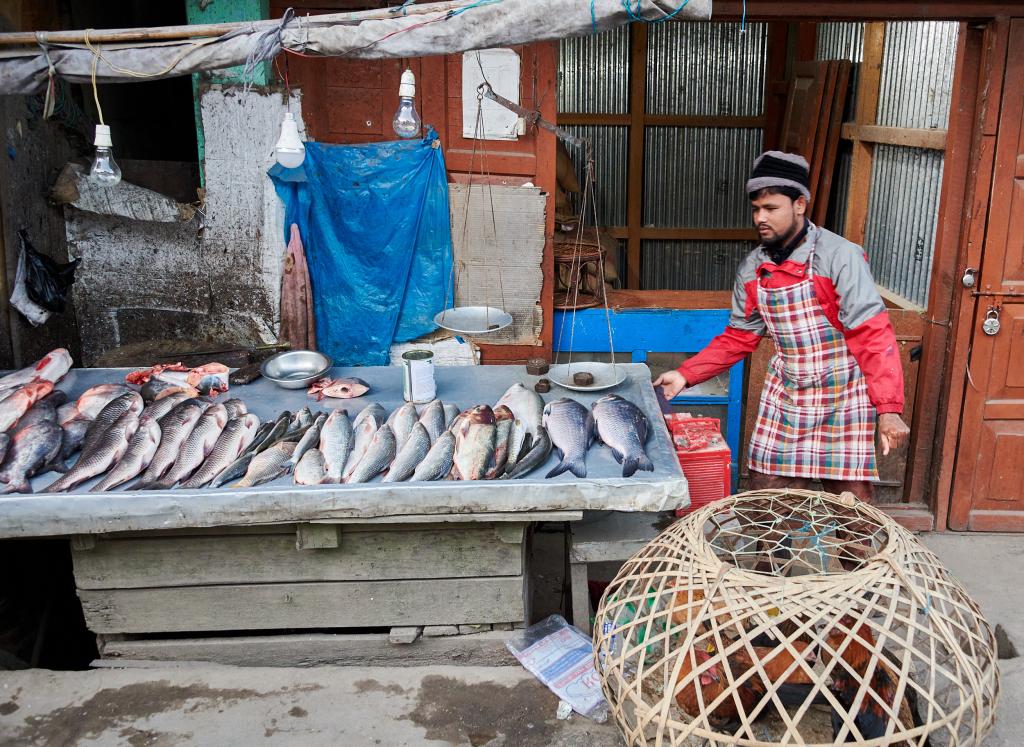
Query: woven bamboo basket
797	618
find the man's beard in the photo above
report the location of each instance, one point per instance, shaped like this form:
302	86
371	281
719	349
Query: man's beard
781	240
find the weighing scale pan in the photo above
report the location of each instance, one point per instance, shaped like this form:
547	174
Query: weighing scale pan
473	320
605	375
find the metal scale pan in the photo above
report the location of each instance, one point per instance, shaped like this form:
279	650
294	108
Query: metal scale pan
473	320
606	375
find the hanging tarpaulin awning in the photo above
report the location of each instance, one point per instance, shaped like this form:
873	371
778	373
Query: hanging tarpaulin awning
124	55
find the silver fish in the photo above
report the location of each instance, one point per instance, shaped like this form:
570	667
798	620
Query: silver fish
95	398
137	456
534	458
279	429
570	427
438	462
528	408
408	459
311	469
236	408
104	455
303	419
51	367
156	410
232	442
175	427
42	410
234	470
432	418
336	441
195	448
267	465
623	427
378	456
68	412
503	422
450	413
401	421
72	436
365	426
14	407
310	439
26	454
114	409
474	443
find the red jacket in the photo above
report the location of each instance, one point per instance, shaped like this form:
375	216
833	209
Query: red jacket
846	290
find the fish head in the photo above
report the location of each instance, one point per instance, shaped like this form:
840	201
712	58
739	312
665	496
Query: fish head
501	412
37	390
345	388
480	415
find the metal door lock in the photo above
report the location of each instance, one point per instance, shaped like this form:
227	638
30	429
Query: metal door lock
968	279
991	324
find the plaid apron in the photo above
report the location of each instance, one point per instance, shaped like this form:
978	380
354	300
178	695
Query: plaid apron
815	418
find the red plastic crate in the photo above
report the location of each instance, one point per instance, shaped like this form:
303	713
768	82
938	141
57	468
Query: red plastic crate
704	456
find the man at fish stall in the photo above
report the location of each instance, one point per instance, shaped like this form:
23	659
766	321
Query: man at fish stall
836	375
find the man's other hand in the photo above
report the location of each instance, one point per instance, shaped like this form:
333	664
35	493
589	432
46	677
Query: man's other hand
892	431
671	383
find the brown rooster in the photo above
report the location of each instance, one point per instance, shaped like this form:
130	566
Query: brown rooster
871	718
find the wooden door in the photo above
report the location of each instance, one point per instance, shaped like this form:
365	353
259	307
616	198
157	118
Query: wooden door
988	483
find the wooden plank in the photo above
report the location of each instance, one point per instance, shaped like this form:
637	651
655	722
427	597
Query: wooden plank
823	187
303	606
459	518
569	119
775	84
687	234
868	90
467	550
905	136
317	536
661	120
404	636
616	537
317	649
545	80
872	10
669	299
637	143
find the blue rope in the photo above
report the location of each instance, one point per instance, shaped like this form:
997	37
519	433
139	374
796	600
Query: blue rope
634	15
453	13
743	19
401	8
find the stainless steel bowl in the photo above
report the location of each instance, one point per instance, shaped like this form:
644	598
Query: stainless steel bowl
295	369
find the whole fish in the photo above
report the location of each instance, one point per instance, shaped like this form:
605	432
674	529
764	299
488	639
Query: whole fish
570	427
534	458
42	410
450	413
5	441
528	408
276	432
623	427
236	408
141	448
310	439
72	436
114	409
401	421
303	419
232	442
195	448
503	422
234	470
20	402
68	412
175	427
95	398
379	454
311	469
413	452
157	409
51	367
364	426
57	398
105	454
432	418
474	443
267	465
336	441
438	462
26	454
338	388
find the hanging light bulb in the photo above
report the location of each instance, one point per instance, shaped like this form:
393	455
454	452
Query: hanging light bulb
289	151
104	170
407	120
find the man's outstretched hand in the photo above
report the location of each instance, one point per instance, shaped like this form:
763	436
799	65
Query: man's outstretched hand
892	431
671	383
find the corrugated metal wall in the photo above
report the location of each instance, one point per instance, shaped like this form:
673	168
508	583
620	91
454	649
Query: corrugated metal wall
691	265
593	73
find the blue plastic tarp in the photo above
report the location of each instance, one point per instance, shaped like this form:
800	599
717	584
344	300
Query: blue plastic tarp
375	224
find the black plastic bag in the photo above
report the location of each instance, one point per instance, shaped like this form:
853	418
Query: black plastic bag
46	281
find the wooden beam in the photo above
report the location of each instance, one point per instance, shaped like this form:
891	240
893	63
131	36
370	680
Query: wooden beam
906	136
659	120
635	179
868	90
686	234
775	85
582	118
871	10
669	299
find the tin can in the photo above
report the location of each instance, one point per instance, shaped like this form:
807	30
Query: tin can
418	376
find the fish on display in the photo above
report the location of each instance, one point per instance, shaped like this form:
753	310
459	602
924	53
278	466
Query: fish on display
450	413
503	422
437	464
267	465
26	454
42	410
570	427
236	437
302	420
311	469
104	455
20	402
276	432
528	408
623	427
411	455
68	412
336	441
156	410
195	448
432	418
141	448
114	409
175	427
95	398
156	389
366	424
310	439
379	454
401	421
348	388
5	441
52	367
236	408
534	458
474	443
72	436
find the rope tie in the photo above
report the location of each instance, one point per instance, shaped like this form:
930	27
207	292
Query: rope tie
50	102
267	46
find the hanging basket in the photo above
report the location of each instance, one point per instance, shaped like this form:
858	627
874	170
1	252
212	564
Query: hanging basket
793	617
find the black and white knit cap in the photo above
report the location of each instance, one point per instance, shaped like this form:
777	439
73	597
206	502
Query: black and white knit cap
774	168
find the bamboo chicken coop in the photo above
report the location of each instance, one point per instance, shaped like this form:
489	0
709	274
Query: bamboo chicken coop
793	618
